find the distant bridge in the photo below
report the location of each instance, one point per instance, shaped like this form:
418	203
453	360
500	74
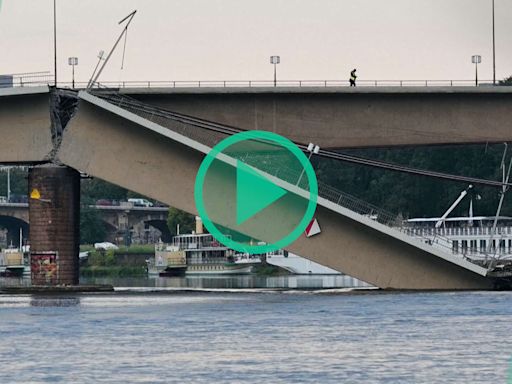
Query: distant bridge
123	222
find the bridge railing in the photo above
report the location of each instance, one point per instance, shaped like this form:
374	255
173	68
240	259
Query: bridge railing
280	83
34	79
47	78
271	164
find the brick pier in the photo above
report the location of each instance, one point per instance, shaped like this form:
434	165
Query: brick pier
54	211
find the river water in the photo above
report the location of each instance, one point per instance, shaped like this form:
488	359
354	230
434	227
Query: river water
256	336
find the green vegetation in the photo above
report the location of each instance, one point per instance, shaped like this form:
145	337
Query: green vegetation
132	249
92	227
110	264
19	181
185	220
95	189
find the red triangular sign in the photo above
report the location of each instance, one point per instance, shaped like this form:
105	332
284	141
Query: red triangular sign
313	228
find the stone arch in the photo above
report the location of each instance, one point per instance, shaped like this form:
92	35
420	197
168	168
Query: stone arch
13	225
161	225
139	230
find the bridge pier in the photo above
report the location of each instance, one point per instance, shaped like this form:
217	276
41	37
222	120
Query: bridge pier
54	212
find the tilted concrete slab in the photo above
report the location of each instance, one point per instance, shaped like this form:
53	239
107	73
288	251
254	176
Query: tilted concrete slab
120	147
25	125
341	117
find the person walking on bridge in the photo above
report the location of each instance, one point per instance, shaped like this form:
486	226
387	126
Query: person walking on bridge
353	78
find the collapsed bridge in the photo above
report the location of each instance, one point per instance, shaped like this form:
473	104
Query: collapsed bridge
114	138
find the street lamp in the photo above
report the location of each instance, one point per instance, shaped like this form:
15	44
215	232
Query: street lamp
101	56
275	60
73	61
476	59
312	149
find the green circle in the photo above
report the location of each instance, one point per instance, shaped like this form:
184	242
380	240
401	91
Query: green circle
304	162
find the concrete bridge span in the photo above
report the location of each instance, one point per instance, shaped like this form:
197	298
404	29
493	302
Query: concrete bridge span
25	125
166	164
341	117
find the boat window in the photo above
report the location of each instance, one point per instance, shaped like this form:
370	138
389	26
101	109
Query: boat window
483	244
455	246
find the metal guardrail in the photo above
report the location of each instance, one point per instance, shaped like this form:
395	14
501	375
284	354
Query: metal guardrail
35	79
279	83
46	78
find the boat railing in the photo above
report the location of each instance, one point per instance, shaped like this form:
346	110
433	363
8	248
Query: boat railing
208	260
458	231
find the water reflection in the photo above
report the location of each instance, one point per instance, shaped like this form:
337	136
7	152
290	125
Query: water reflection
217	282
236	282
54	301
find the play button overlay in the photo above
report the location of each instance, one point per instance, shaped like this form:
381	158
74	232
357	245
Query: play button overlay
253	192
256	192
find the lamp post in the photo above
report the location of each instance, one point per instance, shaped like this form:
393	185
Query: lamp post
312	149
476	59
101	57
73	61
275	60
493	48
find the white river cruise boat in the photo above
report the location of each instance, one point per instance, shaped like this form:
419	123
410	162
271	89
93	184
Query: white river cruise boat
198	254
470	237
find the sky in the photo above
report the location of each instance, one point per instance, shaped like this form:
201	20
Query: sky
233	39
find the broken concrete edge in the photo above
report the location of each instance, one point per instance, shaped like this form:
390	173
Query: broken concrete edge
195	145
63	106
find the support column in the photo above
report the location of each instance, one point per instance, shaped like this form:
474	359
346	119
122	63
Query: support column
54	212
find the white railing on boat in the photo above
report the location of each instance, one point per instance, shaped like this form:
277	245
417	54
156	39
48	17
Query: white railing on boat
458	231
